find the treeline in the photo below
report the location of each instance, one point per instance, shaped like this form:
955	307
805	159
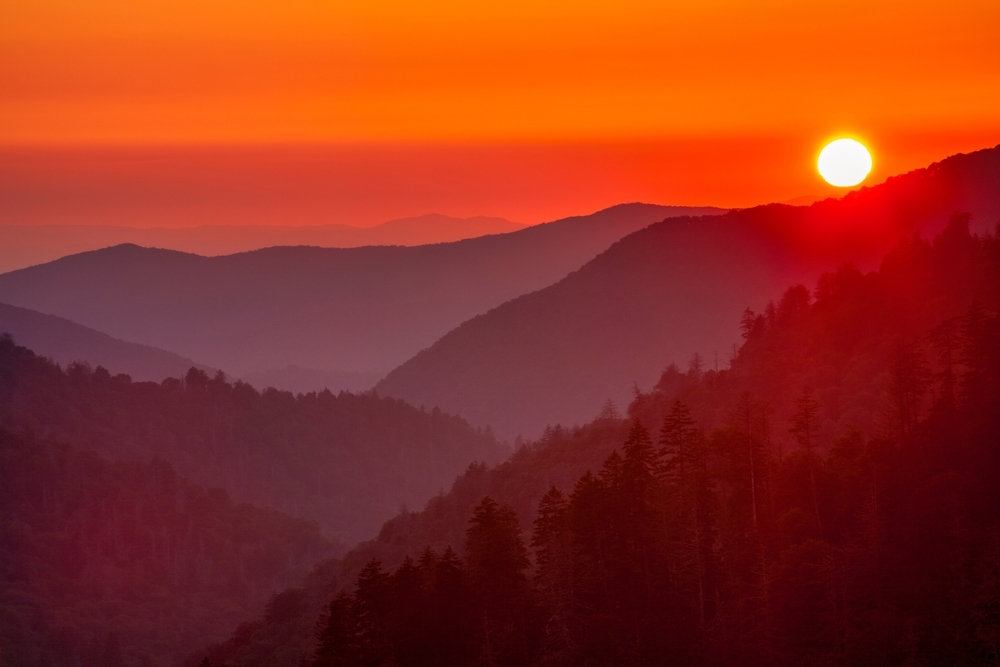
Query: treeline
713	548
850	339
744	518
121	564
285	635
346	461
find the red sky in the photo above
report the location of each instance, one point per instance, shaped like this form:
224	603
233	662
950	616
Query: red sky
358	112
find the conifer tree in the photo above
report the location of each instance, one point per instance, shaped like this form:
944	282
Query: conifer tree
909	378
498	560
372	601
337	647
804	425
690	504
945	341
551	541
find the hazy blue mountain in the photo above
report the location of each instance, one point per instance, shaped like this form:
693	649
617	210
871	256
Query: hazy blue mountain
668	291
327	309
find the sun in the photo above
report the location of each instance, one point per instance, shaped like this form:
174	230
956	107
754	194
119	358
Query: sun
844	163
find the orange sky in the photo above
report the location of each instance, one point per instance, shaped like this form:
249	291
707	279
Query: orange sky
770	79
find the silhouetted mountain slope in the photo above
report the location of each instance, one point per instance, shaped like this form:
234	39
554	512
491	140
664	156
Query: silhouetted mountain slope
857	547
670	290
66	342
345	461
359	309
26	245
119	564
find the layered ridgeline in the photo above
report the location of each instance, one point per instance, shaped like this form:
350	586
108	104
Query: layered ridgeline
357	310
66	342
346	461
830	498
24	245
122	564
668	291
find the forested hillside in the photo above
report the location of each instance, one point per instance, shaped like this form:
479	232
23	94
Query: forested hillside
346	461
122	564
830	498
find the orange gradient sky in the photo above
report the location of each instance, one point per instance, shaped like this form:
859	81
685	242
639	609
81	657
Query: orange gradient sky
671	94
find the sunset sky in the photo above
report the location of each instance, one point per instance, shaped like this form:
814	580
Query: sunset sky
528	110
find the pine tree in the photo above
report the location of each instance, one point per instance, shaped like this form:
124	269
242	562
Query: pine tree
498	560
453	619
690	505
945	339
804	425
909	379
551	541
372	601
408	621
337	639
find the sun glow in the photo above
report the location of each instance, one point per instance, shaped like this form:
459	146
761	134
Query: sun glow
844	163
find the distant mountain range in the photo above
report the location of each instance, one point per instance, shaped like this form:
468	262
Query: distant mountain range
668	291
66	342
26	245
355	310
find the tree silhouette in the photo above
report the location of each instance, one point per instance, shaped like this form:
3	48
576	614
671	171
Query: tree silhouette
804	425
498	560
337	641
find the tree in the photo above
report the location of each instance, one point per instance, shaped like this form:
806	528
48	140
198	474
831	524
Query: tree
372	602
452	619
498	560
408	618
690	507
337	641
634	521
804	425
638	470
909	377
552	543
945	340
695	367
677	441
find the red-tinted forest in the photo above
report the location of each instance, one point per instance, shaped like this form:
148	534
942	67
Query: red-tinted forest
346	461
123	563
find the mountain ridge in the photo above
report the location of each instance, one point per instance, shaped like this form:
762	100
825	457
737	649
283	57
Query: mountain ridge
28	245
361	309
670	290
66	342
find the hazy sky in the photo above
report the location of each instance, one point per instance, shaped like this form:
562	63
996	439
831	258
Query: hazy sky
743	92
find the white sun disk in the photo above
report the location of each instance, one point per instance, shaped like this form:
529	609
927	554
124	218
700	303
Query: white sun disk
844	163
